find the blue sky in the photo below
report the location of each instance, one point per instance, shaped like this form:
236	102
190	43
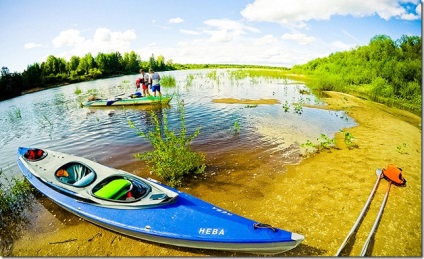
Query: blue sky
260	32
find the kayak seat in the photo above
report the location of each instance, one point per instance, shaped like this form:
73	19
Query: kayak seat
85	180
114	189
75	174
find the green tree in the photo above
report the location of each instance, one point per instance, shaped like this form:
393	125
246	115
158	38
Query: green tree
131	62
160	63
152	62
86	63
11	84
32	76
73	63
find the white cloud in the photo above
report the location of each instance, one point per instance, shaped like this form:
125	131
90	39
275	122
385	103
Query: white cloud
300	38
297	13
176	20
69	37
225	30
265	40
190	32
240	50
32	45
104	40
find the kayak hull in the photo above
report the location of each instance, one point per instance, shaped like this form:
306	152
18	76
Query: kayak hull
186	221
129	101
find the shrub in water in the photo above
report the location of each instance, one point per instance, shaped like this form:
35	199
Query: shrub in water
167	81
172	157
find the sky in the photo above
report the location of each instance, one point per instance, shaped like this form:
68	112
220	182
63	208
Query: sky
251	32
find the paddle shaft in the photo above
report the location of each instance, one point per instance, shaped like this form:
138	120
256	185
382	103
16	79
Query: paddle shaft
358	220
377	220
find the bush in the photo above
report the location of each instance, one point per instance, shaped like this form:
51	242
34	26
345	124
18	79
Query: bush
13	203
380	87
171	158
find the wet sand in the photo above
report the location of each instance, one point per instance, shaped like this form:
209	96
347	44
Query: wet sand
319	198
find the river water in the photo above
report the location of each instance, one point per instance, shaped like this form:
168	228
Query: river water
54	118
232	136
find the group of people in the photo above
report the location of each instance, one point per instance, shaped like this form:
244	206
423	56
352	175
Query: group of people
151	79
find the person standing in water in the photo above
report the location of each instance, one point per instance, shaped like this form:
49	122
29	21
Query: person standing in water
154	79
144	82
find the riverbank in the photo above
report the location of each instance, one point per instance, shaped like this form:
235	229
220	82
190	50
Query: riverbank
319	198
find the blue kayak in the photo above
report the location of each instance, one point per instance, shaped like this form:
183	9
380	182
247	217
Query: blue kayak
144	208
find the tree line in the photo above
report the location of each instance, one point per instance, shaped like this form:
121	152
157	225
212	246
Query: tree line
385	70
58	71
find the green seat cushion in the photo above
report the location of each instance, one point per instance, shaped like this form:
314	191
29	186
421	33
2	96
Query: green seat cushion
114	190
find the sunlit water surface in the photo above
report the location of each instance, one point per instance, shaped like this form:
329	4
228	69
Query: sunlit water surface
56	120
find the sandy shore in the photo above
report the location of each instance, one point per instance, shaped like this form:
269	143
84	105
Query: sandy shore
319	198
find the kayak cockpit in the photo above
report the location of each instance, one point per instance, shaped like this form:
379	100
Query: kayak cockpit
75	174
120	188
35	154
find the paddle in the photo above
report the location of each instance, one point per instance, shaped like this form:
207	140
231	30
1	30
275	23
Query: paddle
380	212
110	102
391	174
361	215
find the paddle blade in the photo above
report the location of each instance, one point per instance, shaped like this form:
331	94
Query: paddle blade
394	175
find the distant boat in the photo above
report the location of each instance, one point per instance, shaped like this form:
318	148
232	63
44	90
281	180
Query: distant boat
144	208
119	101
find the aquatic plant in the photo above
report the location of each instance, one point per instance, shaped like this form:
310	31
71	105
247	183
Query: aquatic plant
349	139
212	75
309	146
323	143
14	113
172	157
13	203
298	108
77	90
238	74
236	127
189	80
167	81
286	106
